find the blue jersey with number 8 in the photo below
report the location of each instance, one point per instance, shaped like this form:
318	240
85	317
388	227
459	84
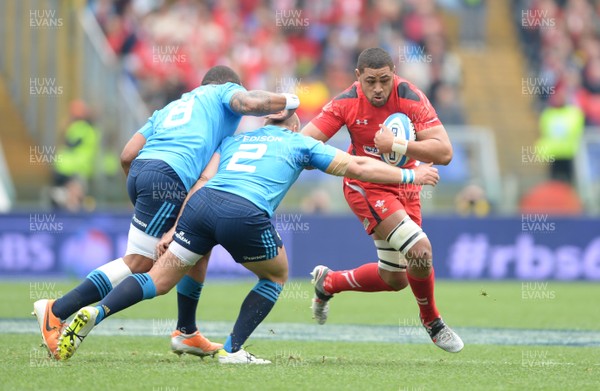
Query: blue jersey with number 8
186	132
262	165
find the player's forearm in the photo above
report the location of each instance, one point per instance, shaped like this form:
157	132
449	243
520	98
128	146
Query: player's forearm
261	103
311	130
371	170
126	165
168	236
430	151
131	150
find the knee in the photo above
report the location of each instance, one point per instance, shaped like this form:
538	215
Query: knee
138	263
396	280
421	250
420	256
276	275
279	278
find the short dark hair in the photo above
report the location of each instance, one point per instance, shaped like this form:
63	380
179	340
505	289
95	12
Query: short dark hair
374	58
221	74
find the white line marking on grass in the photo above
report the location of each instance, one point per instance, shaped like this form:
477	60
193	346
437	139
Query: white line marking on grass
332	332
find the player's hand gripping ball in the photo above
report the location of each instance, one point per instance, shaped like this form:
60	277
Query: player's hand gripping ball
402	128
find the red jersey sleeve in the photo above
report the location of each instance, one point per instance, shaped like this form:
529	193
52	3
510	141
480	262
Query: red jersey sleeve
330	119
421	112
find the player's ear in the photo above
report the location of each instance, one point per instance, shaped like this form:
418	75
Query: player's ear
277	116
357	73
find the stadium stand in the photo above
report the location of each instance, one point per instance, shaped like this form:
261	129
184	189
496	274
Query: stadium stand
159	43
127	57
561	41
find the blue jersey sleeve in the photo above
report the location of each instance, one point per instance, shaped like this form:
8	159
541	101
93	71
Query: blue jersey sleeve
228	91
320	155
148	129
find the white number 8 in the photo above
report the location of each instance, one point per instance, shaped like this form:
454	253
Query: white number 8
181	113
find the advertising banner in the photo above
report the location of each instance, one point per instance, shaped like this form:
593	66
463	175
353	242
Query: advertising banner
526	247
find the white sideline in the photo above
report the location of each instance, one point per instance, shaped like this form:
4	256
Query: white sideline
332	332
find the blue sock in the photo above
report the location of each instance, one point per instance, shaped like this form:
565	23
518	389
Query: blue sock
95	286
255	309
130	291
188	294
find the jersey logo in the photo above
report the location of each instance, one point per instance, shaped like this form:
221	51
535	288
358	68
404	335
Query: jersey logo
371	150
364	122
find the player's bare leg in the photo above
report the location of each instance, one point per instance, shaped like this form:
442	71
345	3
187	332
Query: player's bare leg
272	275
389	274
406	236
139	258
187	338
52	313
163	276
138	263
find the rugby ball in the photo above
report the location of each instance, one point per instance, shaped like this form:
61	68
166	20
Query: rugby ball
402	127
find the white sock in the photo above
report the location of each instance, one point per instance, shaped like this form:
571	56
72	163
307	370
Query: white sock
116	271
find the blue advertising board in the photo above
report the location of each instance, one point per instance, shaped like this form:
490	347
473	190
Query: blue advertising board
527	247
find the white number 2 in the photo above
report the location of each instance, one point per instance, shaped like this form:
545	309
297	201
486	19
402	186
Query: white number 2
250	151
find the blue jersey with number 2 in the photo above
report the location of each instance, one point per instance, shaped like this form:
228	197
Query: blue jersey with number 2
186	132
261	165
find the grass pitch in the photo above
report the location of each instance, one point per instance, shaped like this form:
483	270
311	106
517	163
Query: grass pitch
145	363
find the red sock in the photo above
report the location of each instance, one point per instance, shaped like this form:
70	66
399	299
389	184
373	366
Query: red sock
423	290
364	278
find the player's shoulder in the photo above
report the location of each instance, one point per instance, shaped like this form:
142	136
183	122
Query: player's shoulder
217	88
406	90
349	93
307	142
231	86
270	133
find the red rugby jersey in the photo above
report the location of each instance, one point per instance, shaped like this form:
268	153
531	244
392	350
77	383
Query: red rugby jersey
351	108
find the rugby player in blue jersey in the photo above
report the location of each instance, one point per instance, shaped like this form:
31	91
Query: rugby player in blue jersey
163	160
231	205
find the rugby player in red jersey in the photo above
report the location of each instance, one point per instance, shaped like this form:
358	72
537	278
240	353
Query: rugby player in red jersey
390	213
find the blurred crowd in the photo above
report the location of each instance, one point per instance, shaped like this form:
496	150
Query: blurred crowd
309	47
561	39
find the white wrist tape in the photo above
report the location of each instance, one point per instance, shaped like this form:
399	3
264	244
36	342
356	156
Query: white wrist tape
291	101
400	146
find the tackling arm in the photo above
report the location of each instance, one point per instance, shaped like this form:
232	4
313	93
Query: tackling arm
259	103
371	170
